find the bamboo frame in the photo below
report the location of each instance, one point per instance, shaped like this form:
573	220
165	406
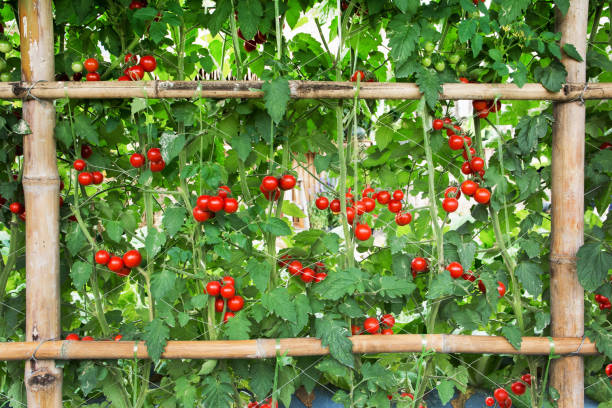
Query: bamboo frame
299	90
308	346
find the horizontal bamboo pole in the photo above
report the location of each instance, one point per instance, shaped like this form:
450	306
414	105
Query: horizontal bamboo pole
307	346
299	90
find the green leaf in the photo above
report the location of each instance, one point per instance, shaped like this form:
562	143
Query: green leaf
430	85
157	31
513	335
137	105
441	285
185	392
261	379
446	391
292	210
467	29
88	376
563	5
406	6
376	375
162	283
280	303
80	273
114	230
171	145
276	226
185	112
276	97
466	254
242	145
114	393
334	334
75	240
340	283
555	50
63	133
476	44
407	68
552	77
528	275
513	10
384	136
216	392
85	130
249	17
219	17
259	273
174	217
393	287
593	265
404	37
572	52
154	242
238	327
530	129
199	301
156	334
331	242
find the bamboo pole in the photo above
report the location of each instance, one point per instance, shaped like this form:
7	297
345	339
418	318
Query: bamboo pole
299	89
43	380
307	346
566	293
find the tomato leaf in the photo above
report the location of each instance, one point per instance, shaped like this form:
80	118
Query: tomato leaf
171	145
593	265
276	97
238	327
219	17
242	145
156	334
530	129
280	303
75	240
84	128
376	375
249	16
441	285
563	5
63	133
430	85
467	29
259	273
174	217
162	283
292	210
340	283
185	392
276	226
572	52
513	335
114	230
403	38
261	379
552	77
154	242
115	394
80	273
217	392
446	391
334	334
406	6
393	287
528	275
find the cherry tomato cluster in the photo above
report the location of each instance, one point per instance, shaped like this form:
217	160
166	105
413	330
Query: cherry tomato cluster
271	186
404	394
373	325
306	274
135	70
207	206
266	404
251	45
156	162
75	337
19	209
604	302
226	299
86	178
483	108
362	77
91	66
121	266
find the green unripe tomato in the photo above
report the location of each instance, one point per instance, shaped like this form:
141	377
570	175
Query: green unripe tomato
76	66
2	65
453	59
5	77
462	67
5	46
440	65
426	61
474	14
429	47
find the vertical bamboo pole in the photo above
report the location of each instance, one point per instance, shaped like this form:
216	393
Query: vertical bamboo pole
43	379
566	293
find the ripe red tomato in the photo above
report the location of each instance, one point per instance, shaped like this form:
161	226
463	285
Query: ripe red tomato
227	291
334	206
350	215
447	121
215	204
482	196
489	402
236	303
16	208
92	76
452	191
130	58
79	165
85	179
73	337
482	287
86	151
403	218
481	108
361	207
135	72
200	215
269	183
124	78
387	332
383	197
608	371
136	4
137	160
450	204
97	177
464	80
465	154
466	169
358	75
371	325
224	191
203	201
249	45
370	204
115	264
91	64
230	205
469	276
355	330
295	268
227	316
388	320
213	288
407	394
228	280
367	192
455	269
320	276
287	182
453	132
469	187
518	388
494	106
260	38
102	257
22	217
398	195
527	377
154	154
307	275
320	267
395	206
118	337
157	166
500	395
418	264
477	164
437	124
219	305
363	232
132	258
501	288
148	63
605	145
508	403
455	142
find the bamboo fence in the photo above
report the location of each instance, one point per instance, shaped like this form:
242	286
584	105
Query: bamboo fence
41	188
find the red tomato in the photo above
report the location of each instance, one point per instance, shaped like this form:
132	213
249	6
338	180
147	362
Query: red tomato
465	153
350	215
85	179
489	402
307	275
466	169
453	132
418	264
200	215
235	304
395	206
450	204
79	165
219	305
527	377
123	272
403	218
22	217
482	287
97	177
203	201
260	38
284	260
367	192
228	280
388	320
358	75
605	145
227	291
135	72
482	196
249	45
387	332
361	207
494	106
501	288
230	205
213	288
132	258
215	204
157	166
87	338
102	257
136	4
124	78
16	208
363	232
269	183
295	268
92	76
518	388
383	197
320	267
154	154
481	108
130	59
500	395
469	187
287	182
455	269
370	204
86	151
477	164
398	195
118	337
91	64
355	330
224	191
73	337
371	325
469	276
227	316
148	63
320	276
115	264
608	371
447	121
464	80
137	160
437	124
334	206
452	192
455	142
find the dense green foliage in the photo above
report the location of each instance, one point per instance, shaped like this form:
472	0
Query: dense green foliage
209	143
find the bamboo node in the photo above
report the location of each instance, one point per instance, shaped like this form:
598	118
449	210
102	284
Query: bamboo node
260	349
41	380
